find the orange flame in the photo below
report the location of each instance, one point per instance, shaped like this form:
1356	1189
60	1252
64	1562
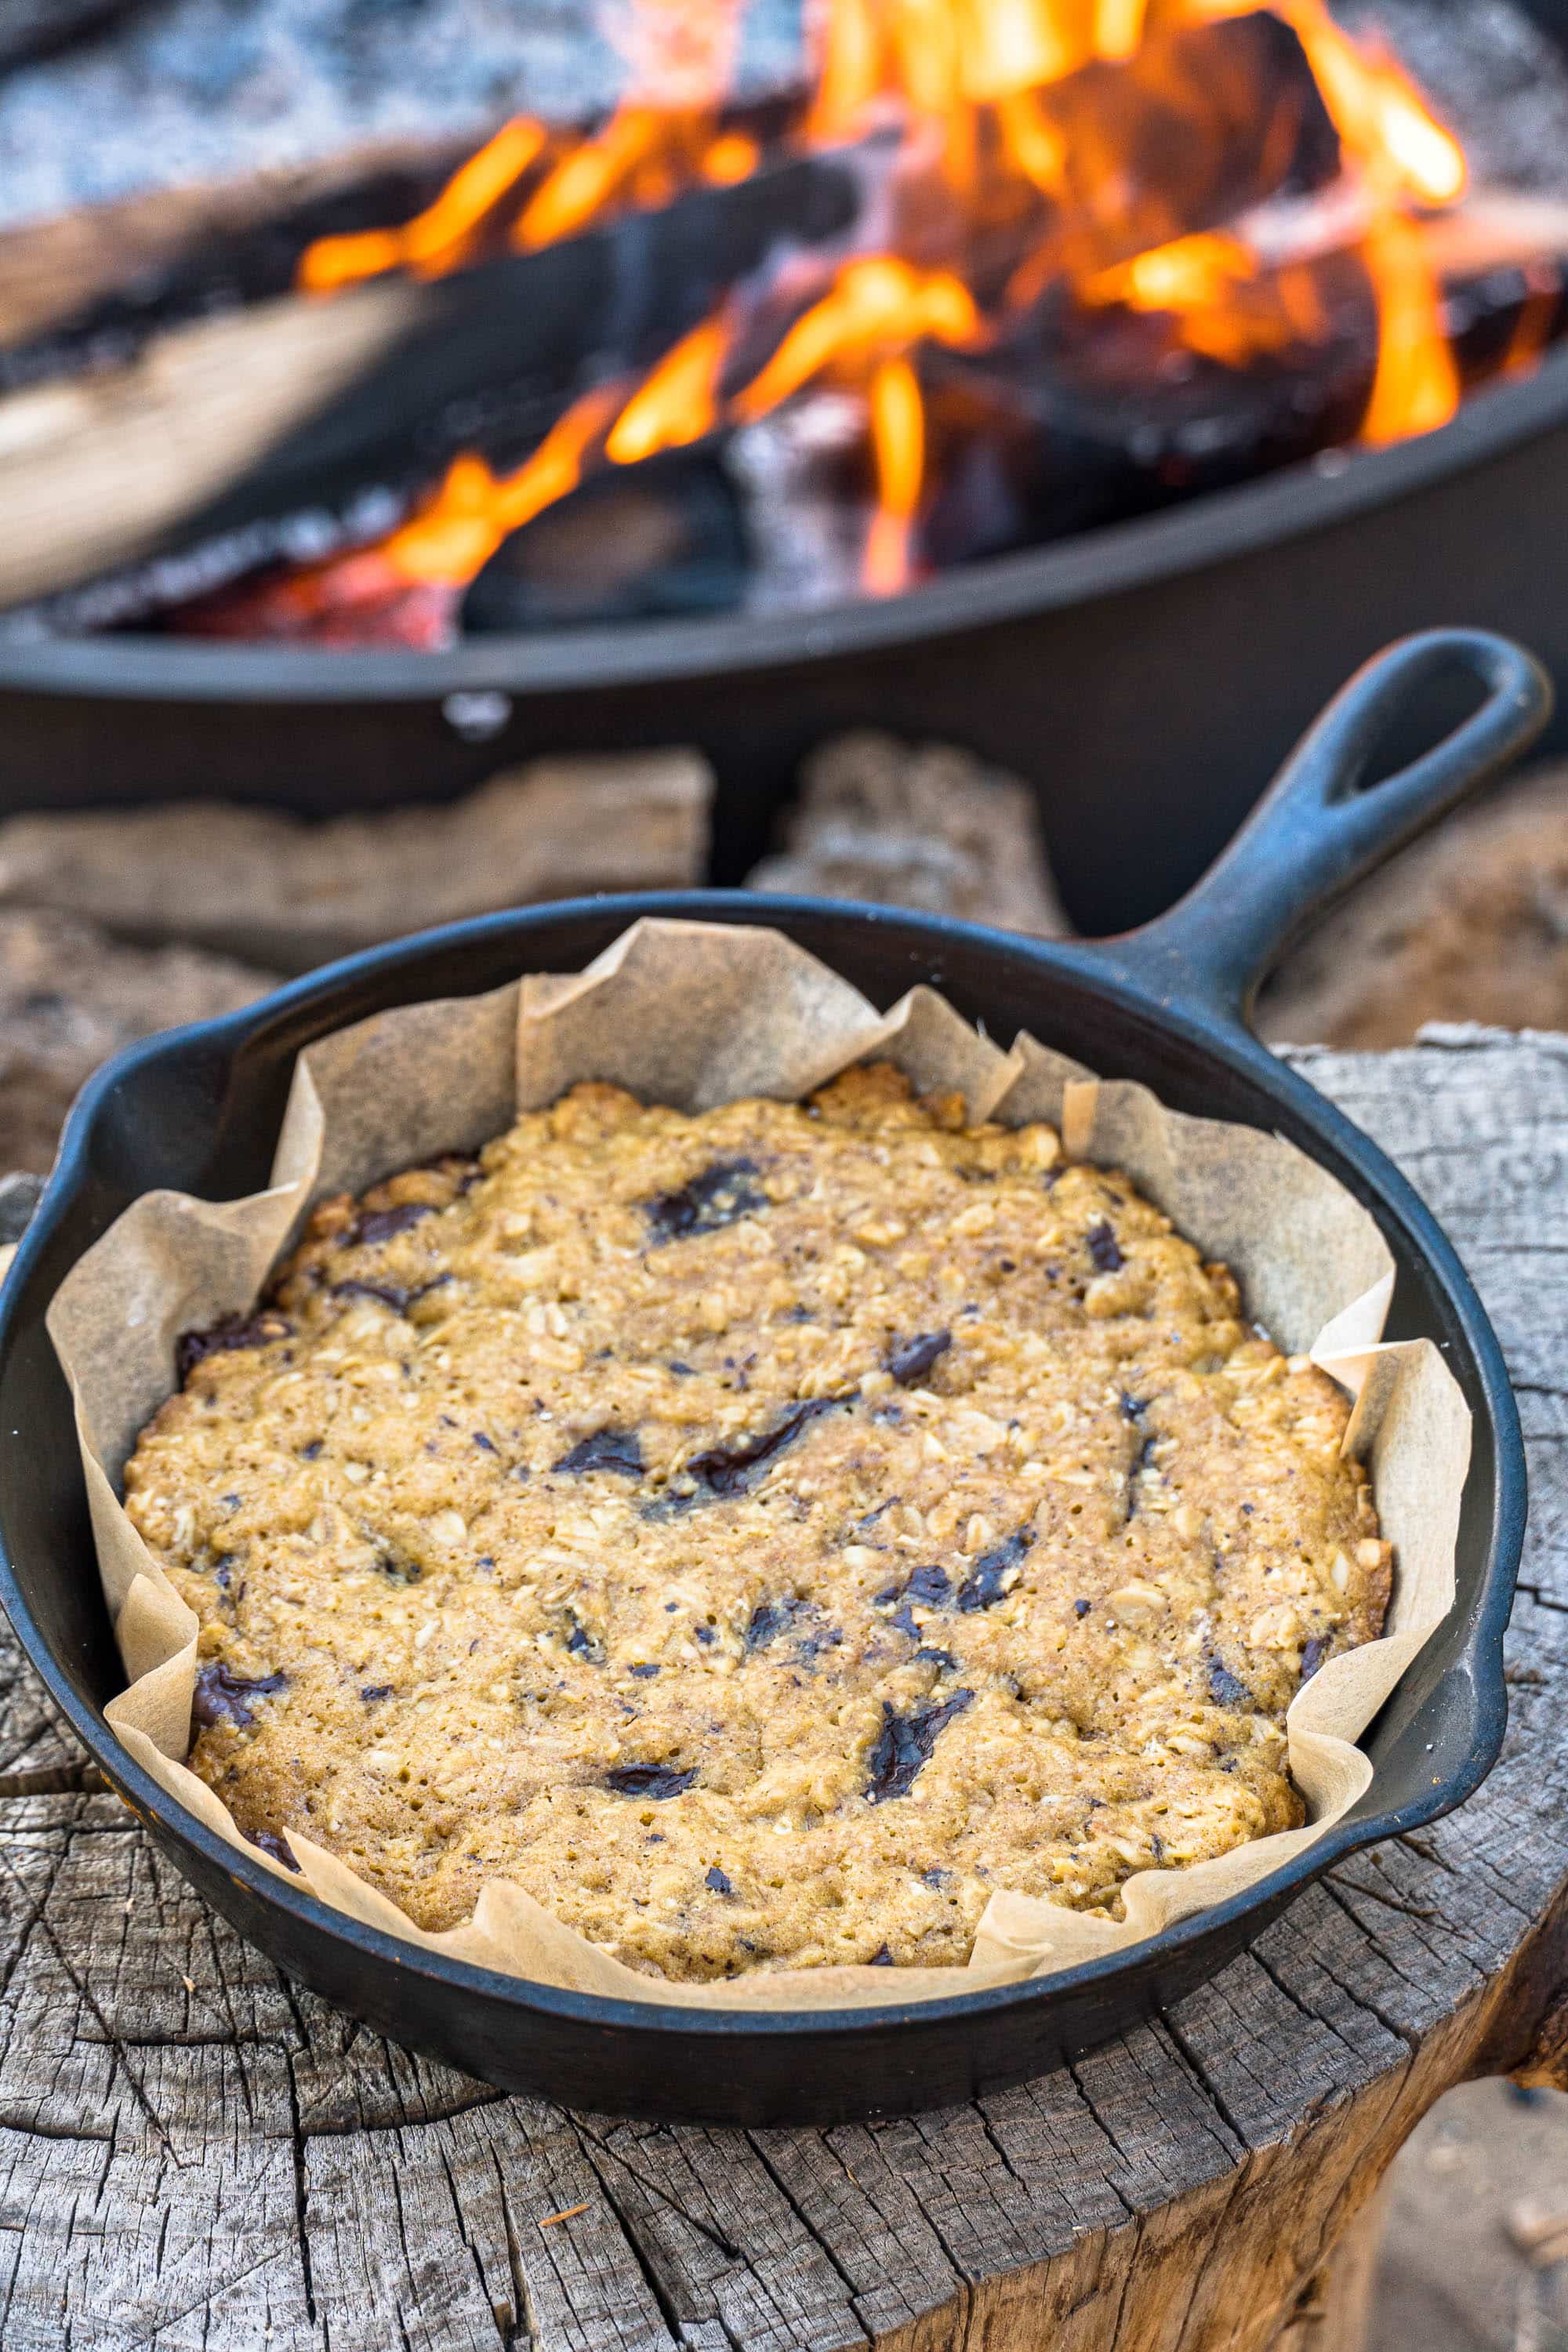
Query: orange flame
1378	112
898	448
676	404
873	305
970	84
457	531
437	239
583	182
1417	387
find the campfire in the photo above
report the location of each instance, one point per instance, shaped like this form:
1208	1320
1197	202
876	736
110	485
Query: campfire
1004	271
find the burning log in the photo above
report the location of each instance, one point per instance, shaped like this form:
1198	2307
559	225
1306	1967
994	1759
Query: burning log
293	405
1054	278
660	540
84	292
286	410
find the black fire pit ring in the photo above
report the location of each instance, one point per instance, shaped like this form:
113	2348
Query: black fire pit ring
1109	671
199	1110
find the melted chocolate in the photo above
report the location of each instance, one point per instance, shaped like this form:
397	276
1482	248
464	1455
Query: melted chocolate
905	1743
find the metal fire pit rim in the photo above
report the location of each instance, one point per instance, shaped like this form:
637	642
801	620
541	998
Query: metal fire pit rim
1214	528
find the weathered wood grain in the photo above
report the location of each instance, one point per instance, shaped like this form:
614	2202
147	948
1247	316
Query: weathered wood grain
195	2155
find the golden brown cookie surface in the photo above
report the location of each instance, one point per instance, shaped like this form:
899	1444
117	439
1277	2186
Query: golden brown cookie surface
763	1536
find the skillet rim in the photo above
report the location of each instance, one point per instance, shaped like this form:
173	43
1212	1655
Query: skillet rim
1417	1238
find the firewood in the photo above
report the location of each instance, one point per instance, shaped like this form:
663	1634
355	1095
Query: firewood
1471	925
55	269
288	895
68	998
293	404
95	472
928	827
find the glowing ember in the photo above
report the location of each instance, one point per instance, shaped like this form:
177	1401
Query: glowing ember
1003	149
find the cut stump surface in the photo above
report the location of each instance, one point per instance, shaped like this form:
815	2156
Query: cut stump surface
193	2153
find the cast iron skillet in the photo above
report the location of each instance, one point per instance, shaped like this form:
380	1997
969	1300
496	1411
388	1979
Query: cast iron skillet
199	1110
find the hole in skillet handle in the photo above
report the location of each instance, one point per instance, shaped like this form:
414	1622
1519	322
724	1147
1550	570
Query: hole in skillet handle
1336	810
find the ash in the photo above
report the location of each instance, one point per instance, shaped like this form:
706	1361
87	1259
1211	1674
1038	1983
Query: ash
183	92
806	537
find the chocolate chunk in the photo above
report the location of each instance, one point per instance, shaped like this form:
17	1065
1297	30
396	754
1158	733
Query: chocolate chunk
656	1780
1225	1691
373	1691
231	1331
1314	1652
386	1294
880	1959
312	1452
378	1225
1082	1608
905	1743
1104	1248
912	1362
706	1635
616	1452
904	1620
486	1445
930	1586
1132	1406
718	1882
943	1660
769	1619
581	1644
224	1698
717	1197
727	1470
992	1576
644	1674
1142	1460
274	1842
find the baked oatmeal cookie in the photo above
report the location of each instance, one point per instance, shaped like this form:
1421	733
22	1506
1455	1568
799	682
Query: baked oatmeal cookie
762	1535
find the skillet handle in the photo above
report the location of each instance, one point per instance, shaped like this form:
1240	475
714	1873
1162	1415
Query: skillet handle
1320	828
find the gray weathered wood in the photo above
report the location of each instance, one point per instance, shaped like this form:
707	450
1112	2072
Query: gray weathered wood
193	2154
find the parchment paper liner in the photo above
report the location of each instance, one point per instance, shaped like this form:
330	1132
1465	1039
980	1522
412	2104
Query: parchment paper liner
696	1014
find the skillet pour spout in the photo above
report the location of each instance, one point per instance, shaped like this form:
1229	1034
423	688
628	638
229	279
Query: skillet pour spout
198	1111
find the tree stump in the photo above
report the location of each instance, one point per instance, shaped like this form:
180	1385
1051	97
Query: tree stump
196	2154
